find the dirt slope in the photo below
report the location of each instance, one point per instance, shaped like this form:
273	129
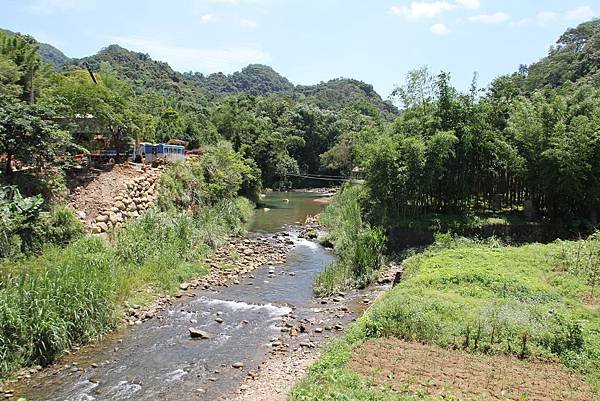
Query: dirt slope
99	193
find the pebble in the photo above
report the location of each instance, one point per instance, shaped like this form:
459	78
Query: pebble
237	365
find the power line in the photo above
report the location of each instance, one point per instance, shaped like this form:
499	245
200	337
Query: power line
339	178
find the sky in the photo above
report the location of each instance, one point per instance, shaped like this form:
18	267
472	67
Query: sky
309	41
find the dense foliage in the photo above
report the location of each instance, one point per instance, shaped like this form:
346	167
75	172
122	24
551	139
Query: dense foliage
452	152
359	247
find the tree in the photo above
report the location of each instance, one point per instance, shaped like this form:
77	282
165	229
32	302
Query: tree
23	52
28	134
75	95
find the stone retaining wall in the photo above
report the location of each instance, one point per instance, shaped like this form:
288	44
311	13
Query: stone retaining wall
134	198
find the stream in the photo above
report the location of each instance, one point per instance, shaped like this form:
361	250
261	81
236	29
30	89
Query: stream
159	360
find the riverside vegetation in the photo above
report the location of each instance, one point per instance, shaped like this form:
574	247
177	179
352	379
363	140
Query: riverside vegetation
68	296
454	161
536	302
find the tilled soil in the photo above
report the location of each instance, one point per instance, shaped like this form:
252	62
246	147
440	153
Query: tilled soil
414	367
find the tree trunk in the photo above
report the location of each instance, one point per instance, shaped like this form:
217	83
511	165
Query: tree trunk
8	167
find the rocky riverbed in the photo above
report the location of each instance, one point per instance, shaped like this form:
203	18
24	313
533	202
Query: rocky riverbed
233	265
247	330
238	257
302	340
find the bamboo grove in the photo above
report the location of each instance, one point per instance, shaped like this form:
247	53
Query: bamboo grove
500	149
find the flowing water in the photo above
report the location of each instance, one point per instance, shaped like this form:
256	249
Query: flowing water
158	359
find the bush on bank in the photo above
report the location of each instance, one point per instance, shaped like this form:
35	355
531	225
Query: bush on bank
534	301
27	224
358	246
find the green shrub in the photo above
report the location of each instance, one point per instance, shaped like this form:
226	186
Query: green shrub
25	228
358	246
198	183
60	226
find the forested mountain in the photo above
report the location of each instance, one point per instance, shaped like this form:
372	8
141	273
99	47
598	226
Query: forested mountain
343	92
255	79
576	56
143	72
530	136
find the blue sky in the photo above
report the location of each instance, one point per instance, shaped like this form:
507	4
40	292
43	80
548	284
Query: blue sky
309	41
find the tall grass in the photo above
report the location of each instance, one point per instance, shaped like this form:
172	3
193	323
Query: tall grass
51	302
71	295
358	246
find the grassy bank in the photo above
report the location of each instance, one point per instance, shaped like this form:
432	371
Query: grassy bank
357	245
532	302
70	295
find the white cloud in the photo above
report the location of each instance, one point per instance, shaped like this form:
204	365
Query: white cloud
418	9
495	18
472	4
195	59
521	22
430	9
439	29
248	23
581	13
52	6
206	18
546	16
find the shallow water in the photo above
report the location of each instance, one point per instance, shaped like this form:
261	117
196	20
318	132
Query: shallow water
279	209
159	360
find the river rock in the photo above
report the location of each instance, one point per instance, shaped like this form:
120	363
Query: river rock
237	365
184	286
197	333
102	218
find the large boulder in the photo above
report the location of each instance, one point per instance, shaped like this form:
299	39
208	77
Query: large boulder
197	333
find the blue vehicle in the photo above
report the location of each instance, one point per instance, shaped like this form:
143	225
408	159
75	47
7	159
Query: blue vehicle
147	152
